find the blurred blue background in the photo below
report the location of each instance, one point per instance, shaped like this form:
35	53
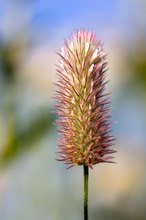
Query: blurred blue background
33	185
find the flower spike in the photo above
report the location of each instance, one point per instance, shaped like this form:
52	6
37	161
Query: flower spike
82	106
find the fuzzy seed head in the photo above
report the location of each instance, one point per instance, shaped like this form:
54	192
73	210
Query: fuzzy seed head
82	106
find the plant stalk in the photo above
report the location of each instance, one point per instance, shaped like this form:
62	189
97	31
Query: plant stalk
86	174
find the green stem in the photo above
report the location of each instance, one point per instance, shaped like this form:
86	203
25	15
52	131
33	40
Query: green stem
86	192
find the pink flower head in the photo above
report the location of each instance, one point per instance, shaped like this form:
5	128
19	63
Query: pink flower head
83	107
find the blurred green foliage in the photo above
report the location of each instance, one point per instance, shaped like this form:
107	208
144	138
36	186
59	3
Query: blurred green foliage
136	63
8	65
18	139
